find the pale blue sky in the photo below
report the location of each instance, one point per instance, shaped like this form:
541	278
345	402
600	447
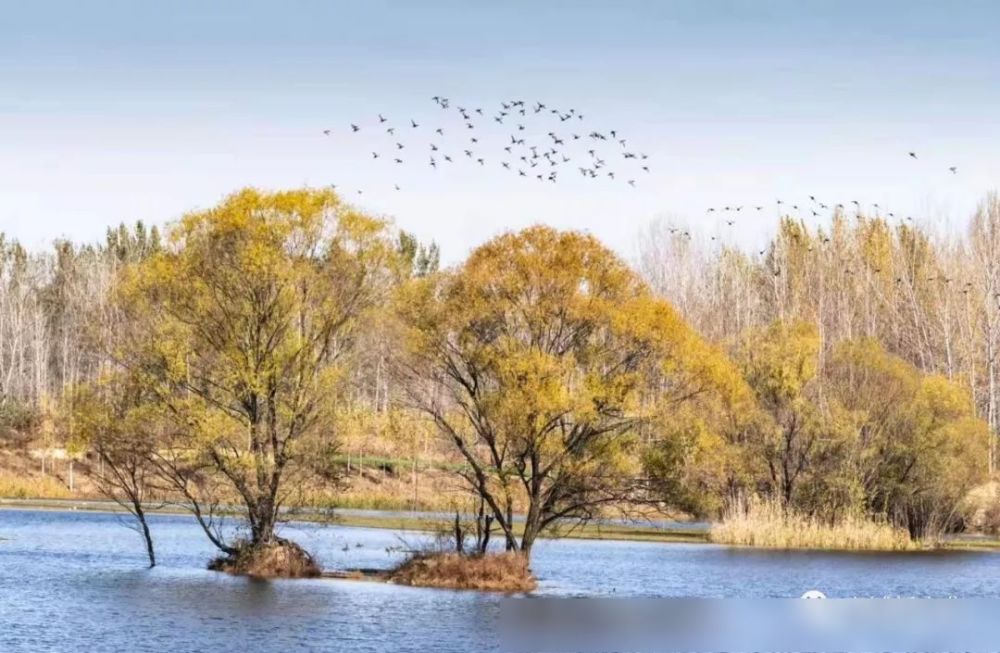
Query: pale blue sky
120	110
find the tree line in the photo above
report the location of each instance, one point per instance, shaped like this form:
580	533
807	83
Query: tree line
218	365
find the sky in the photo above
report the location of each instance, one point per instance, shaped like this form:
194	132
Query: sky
115	111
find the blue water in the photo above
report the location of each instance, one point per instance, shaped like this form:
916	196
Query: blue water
75	581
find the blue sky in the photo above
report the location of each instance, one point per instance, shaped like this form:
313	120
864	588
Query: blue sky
121	110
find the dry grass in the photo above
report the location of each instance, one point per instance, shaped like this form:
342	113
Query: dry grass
32	487
282	559
766	524
500	572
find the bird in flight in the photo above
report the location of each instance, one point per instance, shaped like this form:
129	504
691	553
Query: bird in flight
913	155
326	131
381	119
953	170
355	127
413	123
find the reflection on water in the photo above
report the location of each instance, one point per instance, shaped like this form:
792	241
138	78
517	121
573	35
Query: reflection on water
75	581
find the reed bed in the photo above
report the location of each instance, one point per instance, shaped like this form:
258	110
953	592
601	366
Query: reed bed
766	524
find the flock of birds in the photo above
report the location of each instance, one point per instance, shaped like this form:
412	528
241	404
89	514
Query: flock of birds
532	140
815	206
537	142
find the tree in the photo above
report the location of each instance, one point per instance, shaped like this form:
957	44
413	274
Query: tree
791	435
242	329
539	359
113	418
920	446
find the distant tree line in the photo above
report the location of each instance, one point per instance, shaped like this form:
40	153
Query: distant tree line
220	366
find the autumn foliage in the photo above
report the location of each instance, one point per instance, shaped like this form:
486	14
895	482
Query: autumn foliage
844	374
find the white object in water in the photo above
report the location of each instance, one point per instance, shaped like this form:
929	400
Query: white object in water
814	594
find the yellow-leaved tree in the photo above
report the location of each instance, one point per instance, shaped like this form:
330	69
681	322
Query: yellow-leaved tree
240	327
540	358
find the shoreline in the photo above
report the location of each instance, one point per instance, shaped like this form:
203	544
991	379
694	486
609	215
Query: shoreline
393	520
389	520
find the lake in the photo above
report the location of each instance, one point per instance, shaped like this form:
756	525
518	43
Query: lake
74	581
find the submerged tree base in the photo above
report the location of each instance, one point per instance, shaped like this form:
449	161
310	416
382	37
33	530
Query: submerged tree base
279	559
500	572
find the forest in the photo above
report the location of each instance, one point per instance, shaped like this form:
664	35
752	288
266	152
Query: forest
248	358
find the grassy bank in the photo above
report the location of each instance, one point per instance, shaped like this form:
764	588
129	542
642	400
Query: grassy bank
417	522
769	525
725	533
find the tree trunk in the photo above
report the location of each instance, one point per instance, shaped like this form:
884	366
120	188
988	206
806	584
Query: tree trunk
146	535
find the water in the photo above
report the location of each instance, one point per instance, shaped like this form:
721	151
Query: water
76	581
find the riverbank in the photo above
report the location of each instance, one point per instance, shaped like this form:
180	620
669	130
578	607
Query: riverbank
422	522
674	533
